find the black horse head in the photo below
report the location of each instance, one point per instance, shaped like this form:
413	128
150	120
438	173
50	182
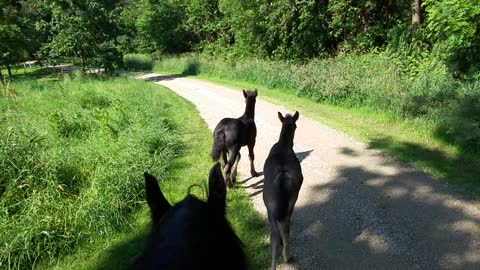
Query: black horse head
193	234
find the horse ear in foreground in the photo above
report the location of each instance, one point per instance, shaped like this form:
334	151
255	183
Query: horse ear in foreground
231	134
283	180
193	234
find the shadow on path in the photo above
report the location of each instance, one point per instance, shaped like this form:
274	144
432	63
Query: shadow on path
370	220
159	78
258	186
461	169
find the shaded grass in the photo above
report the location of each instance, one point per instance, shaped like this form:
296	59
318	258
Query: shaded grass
35	73
75	120
413	140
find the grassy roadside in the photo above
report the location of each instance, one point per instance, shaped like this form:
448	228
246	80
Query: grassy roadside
411	140
105	131
191	166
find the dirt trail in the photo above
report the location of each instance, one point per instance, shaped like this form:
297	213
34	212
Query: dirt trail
358	208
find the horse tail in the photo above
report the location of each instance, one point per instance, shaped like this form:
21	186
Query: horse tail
218	144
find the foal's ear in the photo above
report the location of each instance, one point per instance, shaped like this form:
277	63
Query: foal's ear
217	191
244	93
155	199
256	92
295	116
280	116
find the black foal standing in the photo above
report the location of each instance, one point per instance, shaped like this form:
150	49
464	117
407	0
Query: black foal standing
283	179
231	134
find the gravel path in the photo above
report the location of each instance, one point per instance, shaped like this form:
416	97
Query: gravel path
358	208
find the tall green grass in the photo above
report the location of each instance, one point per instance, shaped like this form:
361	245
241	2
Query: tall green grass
137	62
72	154
74	151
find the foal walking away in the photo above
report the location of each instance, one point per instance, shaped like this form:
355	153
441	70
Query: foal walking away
283	179
233	133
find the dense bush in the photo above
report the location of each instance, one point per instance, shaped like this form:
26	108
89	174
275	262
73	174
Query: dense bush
72	154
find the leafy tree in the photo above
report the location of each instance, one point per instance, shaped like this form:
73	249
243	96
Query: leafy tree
247	22
286	29
159	26
126	22
293	29
361	25
454	26
206	24
83	29
17	33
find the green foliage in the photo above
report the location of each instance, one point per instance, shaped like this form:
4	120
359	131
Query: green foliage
350	80
96	32
137	62
18	38
454	26
85	30
363	81
159	26
280	29
72	154
364	25
460	123
207	26
300	30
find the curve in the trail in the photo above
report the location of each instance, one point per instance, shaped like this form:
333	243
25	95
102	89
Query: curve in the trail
358	208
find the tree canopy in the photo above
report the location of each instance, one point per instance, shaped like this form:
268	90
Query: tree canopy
98	32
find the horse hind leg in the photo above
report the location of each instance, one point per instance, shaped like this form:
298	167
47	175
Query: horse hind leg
274	242
232	157
224	158
284	229
235	165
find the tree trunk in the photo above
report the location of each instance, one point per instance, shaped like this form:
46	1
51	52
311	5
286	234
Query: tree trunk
9	70
83	63
416	16
1	76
